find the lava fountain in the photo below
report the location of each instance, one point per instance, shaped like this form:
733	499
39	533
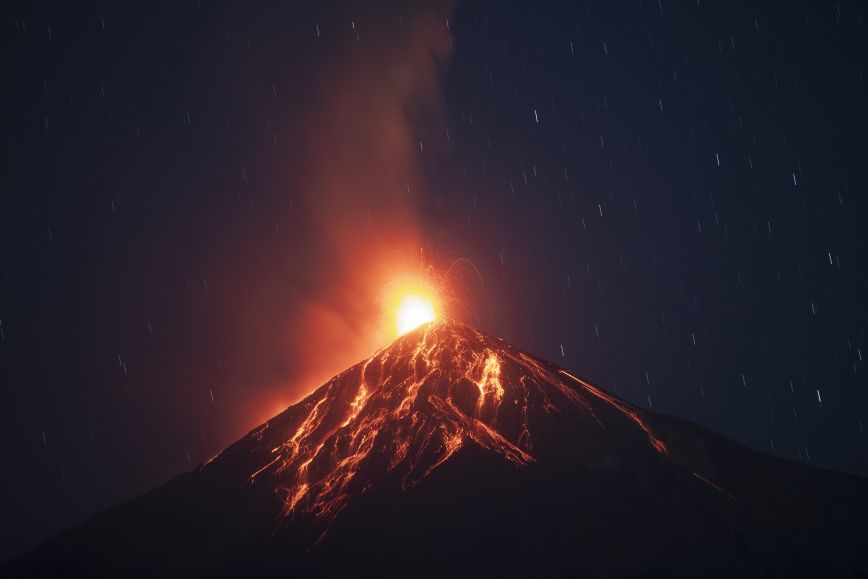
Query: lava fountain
408	303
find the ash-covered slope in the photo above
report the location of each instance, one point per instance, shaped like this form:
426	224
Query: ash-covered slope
452	453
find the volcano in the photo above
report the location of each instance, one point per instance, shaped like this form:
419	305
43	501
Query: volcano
452	453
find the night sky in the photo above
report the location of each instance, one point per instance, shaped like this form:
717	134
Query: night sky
200	202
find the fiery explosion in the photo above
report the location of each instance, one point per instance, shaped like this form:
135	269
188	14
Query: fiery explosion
413	312
408	302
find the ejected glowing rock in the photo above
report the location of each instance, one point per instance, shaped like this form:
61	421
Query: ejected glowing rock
450	452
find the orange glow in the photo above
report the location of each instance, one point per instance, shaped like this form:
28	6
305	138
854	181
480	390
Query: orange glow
408	303
413	312
490	382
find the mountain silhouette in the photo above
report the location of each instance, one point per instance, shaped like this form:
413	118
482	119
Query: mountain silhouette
452	453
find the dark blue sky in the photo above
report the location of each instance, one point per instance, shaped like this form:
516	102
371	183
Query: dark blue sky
668	198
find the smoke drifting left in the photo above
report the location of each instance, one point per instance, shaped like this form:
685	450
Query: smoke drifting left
352	168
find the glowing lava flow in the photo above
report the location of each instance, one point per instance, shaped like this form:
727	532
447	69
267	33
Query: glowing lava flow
634	416
412	406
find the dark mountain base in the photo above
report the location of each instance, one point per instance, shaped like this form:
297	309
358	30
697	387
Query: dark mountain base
480	516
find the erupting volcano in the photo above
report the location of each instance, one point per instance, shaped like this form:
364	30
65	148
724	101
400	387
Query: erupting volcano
449	452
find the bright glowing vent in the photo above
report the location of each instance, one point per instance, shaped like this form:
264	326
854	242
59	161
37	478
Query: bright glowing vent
413	311
407	303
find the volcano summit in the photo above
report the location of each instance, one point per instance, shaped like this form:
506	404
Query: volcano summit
452	453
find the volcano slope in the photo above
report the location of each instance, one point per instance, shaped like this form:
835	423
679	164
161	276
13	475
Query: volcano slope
452	453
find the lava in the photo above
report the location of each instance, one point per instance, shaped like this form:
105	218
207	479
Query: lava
414	405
